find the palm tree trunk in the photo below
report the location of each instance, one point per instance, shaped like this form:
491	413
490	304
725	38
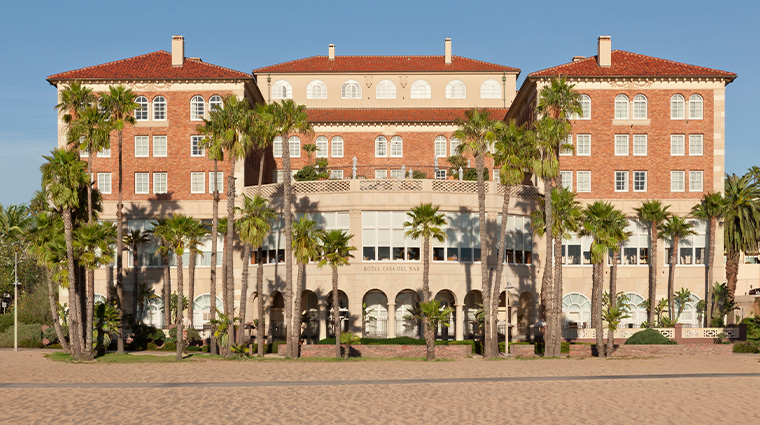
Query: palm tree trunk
214	243
428	331
500	263
260	326
228	260
613	298
710	270
191	285
336	312
167	291
485	277
672	276
225	349
244	290
596	307
288	223
556	304
180	308
136	285
295	334
547	282
653	277
90	276
52	296
732	272
80	307
73	315
261	173
119	254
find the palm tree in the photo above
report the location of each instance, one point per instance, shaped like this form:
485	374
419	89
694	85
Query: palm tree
62	175
74	98
335	251
289	117
179	230
432	313
134	239
617	230
254	226
162	232
478	132
712	208
568	213
119	103
741	224
425	222
675	229
196	233
597	218
654	214
90	131
558	100
264	129
305	249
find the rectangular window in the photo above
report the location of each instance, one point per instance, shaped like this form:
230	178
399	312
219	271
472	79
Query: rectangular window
142	183
198	182
583	147
440	174
397	174
196	146
695	181
497	175
566	151
381	147
635	251
159	183
440	147
336	174
621	144
104	182
337	147
159	146
219	181
676	181
322	147
696	144
519	239
381	174
639	181
104	153
141	146
639	145
583	179
566	177
621	181
691	249
278	177
677	144
277	147
384	239
295	147
397	147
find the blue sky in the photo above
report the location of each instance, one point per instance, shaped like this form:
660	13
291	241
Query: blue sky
40	38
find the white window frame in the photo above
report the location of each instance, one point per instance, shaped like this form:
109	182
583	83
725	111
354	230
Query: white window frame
157	177
102	185
197	108
677	107
568	141
294	143
196	149
640	173
142	113
157	153
281	90
618	146
219	182
277	147
146	140
381	174
440	174
677	177
677	144
160	109
385	89
585	102
490	89
700	182
621	181
456	89
381	147
439	146
566	179
351	89
397	174
696	107
397	147
104	153
638	147
696	140
420	89
638	113
583	181
621	107
336	174
583	145
316	89
322	147
454	146
143	180
215	102
336	148
198	179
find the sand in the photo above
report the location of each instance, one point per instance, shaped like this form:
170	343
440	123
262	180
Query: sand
226	391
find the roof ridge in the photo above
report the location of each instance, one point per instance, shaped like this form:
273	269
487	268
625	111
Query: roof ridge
107	63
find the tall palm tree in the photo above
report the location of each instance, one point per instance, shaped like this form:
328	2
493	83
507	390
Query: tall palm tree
741	224
74	98
180	227
90	131
567	220
558	100
196	233
675	229
289	117
162	232
616	227
335	252
135	239
712	208
254	226
596	221
264	129
425	222
305	250
119	103
478	133
62	175
654	214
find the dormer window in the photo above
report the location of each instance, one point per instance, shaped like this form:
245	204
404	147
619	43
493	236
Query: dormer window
490	90
456	89
351	90
316	89
420	89
386	90
282	89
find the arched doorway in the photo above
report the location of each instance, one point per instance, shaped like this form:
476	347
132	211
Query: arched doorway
309	316
473	306
637	312
447	300
576	310
277	316
690	315
406	325
342	311
202	310
375	314
153	313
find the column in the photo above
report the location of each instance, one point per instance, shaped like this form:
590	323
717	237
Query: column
459	326
322	320
391	320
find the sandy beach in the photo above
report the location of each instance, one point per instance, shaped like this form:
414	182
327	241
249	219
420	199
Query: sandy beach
710	389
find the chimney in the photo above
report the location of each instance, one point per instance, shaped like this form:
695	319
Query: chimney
447	51
178	50
604	56
331	52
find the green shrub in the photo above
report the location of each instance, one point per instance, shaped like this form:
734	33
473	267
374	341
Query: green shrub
50	334
194	348
34	307
746	347
30	343
206	349
26	332
169	346
648	337
193	337
152	346
6	321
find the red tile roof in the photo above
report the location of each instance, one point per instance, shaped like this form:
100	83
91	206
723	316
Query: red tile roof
385	64
152	66
627	64
383	115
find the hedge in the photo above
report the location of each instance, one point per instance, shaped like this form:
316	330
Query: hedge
29	336
746	347
649	337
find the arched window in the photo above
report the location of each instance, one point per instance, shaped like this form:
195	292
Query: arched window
99	299
456	89
420	89
639	107
385	90
281	89
295	147
316	89
397	147
637	312
695	107
337	147
196	108
585	101
321	147
381	146
690	314
621	107
141	113
440	147
454	146
576	308
676	107
214	103
351	90
202	309
490	89
159	108
152	314
277	147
